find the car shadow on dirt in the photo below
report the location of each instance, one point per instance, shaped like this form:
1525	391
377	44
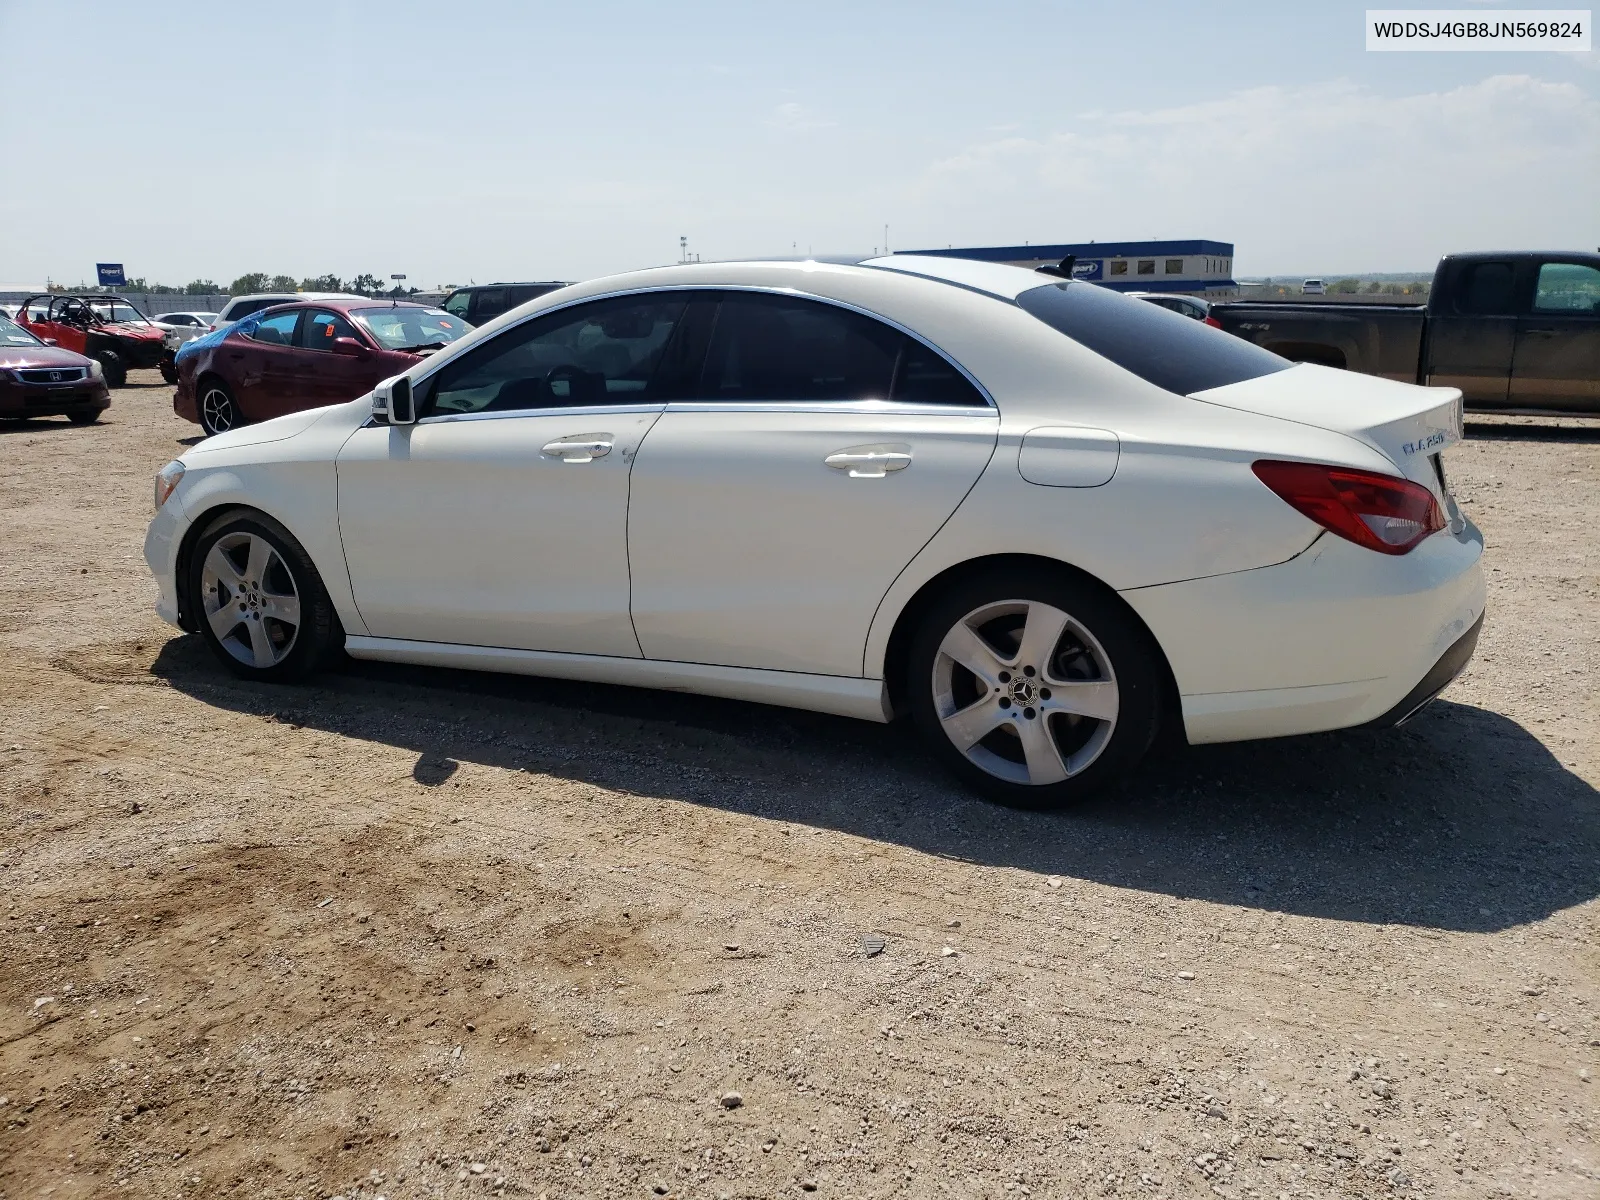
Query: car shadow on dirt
44	425
1459	820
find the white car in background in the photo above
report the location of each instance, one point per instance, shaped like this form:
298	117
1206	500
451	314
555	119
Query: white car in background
242	306
185	325
1313	287
1038	517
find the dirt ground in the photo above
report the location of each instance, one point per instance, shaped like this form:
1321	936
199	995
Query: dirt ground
422	933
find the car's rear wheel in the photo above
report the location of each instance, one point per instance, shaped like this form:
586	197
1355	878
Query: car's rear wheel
1033	686
219	411
116	370
258	599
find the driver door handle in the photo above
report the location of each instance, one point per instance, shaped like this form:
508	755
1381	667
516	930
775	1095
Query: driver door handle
585	447
870	462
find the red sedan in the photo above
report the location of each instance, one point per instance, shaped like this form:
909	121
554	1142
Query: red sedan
303	355
39	380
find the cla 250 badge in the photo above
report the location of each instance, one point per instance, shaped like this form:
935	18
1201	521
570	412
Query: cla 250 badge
1423	445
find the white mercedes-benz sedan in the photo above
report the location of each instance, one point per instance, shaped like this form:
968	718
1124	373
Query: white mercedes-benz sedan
1034	516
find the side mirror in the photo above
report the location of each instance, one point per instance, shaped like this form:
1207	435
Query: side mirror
351	347
392	401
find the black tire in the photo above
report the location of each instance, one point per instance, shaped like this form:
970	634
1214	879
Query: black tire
115	369
1100	644
85	417
216	407
169	370
253	597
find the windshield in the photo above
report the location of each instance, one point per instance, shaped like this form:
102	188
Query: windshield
12	334
411	328
1155	343
115	311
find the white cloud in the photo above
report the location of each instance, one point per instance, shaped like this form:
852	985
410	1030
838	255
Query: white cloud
797	118
1333	176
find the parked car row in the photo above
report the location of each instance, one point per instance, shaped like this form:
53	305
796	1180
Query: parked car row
111	331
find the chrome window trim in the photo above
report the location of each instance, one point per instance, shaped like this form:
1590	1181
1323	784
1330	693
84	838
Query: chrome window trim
434	366
586	409
855	407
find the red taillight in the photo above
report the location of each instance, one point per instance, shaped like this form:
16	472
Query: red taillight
1214	323
1379	512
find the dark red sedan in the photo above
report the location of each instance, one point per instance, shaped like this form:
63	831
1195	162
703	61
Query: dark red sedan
303	355
37	380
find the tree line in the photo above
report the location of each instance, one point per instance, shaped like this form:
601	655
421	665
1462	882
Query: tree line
260	281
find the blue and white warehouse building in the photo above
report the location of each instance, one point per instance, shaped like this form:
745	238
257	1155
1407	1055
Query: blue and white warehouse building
1197	267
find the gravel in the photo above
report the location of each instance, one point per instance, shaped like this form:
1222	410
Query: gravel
1359	911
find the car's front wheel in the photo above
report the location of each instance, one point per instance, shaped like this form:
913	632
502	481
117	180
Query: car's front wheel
219	411
258	599
1034	686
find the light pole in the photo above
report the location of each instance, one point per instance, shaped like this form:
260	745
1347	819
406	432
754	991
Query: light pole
394	295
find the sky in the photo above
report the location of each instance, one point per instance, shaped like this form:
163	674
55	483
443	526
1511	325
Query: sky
488	141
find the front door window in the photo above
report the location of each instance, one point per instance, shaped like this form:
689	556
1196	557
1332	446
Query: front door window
1571	289
602	353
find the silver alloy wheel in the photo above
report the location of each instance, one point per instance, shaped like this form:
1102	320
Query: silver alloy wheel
251	601
216	410
1025	692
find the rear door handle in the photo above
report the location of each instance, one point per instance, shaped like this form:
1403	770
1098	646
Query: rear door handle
870	462
1541	332
581	448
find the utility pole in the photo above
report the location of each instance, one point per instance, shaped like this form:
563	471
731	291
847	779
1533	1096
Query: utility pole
683	249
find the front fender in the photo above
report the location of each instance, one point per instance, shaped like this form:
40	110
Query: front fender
301	495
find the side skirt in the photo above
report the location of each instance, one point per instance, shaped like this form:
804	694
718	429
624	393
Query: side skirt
863	699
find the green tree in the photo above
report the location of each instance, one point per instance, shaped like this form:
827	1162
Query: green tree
367	285
255	281
1344	287
322	283
202	287
281	283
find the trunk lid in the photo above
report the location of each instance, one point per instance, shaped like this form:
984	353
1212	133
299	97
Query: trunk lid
1409	425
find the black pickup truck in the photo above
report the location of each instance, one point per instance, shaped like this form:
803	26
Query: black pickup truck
1515	332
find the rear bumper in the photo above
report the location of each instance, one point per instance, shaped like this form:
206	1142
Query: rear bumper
1336	637
1451	664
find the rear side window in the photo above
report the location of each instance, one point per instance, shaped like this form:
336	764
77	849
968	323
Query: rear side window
782	348
1154	343
778	348
278	329
489	303
1485	290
